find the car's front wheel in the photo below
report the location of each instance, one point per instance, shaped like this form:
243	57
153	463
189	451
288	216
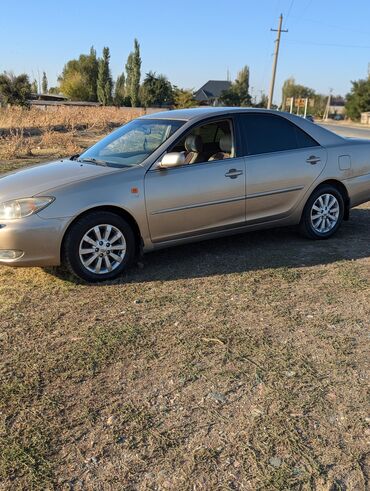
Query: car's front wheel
323	213
98	246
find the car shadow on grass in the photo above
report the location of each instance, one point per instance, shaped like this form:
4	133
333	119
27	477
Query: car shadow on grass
274	248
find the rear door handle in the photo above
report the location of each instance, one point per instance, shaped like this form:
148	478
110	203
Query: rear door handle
313	160
233	173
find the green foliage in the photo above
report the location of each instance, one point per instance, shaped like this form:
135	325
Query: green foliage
34	87
241	87
358	100
129	69
44	84
74	87
292	89
15	90
133	71
120	91
238	94
183	98
230	97
156	91
262	103
79	78
318	109
105	84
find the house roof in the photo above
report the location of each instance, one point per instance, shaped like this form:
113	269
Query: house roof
48	97
212	89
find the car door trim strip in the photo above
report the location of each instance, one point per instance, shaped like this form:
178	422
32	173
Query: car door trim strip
276	191
199	205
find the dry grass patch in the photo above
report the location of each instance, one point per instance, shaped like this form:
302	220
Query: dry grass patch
27	133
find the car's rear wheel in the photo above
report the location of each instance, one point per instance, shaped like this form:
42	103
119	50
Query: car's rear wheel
98	246
323	213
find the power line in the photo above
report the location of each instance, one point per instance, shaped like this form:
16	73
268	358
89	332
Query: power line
307	7
300	18
268	55
329	44
289	9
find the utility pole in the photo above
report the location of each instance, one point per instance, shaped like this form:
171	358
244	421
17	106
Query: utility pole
327	109
305	107
279	30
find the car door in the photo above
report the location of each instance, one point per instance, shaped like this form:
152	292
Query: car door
195	198
282	162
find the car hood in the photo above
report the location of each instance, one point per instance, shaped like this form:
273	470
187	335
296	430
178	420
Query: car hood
35	180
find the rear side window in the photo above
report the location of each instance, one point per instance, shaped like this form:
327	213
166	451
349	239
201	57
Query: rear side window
265	133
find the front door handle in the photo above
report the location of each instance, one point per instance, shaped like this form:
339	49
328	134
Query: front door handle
313	160
233	173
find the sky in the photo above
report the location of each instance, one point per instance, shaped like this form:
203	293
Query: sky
327	44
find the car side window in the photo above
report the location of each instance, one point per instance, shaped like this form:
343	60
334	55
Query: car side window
207	143
265	133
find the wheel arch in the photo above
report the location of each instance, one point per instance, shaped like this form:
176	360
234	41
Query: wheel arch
113	209
341	188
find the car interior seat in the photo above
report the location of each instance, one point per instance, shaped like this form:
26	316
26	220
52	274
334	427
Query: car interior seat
226	148
194	149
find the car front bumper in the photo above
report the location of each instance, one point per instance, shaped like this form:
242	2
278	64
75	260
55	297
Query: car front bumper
34	240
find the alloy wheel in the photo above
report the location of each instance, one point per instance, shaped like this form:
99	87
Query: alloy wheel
325	213
102	249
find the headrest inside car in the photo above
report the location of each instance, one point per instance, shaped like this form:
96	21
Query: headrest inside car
194	143
226	143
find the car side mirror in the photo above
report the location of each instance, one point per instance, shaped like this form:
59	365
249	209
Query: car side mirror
172	159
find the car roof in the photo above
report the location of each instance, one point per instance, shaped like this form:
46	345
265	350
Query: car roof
197	114
200	112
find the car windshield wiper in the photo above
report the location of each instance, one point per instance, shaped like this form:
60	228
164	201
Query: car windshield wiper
94	161
104	163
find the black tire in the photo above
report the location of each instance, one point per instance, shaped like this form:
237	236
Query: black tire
71	257
306	226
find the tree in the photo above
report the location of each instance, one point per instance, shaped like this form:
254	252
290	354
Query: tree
238	94
241	86
358	100
129	69
15	90
291	89
133	71
183	98
119	91
74	86
317	102
230	97
263	101
79	78
34	87
156	90
44	83
105	84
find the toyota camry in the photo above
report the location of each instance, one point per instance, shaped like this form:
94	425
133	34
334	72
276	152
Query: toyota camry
180	176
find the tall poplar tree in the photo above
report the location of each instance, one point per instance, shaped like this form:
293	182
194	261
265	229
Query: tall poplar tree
133	71
120	90
34	87
105	84
44	83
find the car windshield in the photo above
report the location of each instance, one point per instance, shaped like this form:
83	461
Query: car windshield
132	143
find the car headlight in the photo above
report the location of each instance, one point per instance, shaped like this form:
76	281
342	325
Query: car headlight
23	207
